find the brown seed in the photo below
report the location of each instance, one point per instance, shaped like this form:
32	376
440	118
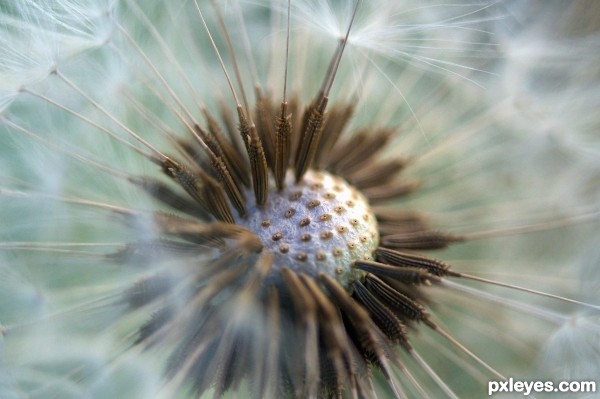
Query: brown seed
305	237
284	248
289	213
326	235
325	217
277	236
313	203
304	222
301	256
321	255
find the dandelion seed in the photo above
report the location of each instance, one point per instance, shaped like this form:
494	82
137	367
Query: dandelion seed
260	219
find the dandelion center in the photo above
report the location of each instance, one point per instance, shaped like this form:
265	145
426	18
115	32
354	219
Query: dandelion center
318	225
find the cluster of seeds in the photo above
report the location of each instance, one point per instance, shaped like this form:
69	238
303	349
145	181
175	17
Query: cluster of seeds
321	224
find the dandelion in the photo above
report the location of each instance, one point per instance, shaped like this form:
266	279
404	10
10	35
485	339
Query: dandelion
252	199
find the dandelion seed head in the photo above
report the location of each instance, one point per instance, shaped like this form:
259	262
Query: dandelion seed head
170	237
319	225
